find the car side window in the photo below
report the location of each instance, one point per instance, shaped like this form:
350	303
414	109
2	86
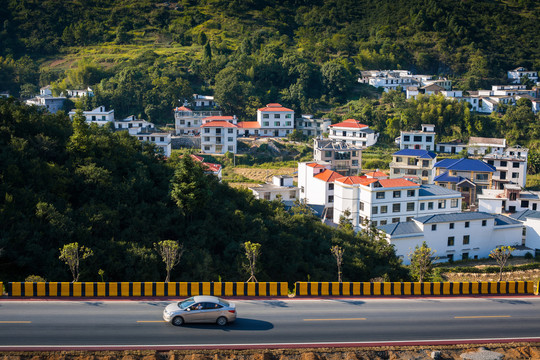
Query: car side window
198	306
211	306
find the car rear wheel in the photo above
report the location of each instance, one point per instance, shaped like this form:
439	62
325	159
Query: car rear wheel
221	321
178	321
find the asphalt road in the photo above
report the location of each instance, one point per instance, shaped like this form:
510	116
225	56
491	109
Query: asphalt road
337	321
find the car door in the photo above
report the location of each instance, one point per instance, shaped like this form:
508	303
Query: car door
195	313
211	312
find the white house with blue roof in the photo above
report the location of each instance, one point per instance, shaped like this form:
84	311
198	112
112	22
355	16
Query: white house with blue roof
455	236
415	165
531	236
451	173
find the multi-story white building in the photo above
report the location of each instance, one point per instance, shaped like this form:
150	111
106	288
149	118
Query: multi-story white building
218	137
384	201
353	132
133	125
316	184
275	120
413	163
161	140
475	146
201	102
455	236
510	199
98	116
388	79
80	93
418	139
310	126
187	121
514	76
343	157
511	166
531	238
52	104
281	187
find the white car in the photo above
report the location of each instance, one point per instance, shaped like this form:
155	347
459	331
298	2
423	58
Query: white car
200	309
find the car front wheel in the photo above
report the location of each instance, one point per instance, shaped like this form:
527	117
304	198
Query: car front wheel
221	321
178	321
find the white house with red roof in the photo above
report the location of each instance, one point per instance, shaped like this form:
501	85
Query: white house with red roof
218	137
353	132
384	201
209	168
272	120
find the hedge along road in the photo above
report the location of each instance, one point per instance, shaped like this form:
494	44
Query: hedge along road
121	324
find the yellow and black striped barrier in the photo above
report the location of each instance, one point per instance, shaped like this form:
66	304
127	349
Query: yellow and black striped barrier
136	289
412	288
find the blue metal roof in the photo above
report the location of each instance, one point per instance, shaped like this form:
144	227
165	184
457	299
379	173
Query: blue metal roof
401	228
434	190
458	216
505	220
446	177
422	154
464	165
523	215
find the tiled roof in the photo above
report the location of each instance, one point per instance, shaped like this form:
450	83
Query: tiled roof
458	216
274	107
464	165
207	166
523	215
352	180
375	174
182	108
219	123
401	228
434	190
315	165
249	125
391	183
423	154
487	141
350	123
328	175
212	118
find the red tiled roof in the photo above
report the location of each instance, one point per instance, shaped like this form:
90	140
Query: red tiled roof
249	125
328	175
315	165
212	118
182	108
350	123
197	158
374	174
352	180
207	166
219	123
274	107
389	183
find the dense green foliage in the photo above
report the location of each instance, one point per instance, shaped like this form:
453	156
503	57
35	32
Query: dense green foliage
305	54
63	183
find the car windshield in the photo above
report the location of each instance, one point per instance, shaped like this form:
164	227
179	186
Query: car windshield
186	303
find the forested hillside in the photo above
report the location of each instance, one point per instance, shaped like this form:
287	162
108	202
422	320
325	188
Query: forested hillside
62	182
141	56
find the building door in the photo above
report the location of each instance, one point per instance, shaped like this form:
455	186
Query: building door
276	133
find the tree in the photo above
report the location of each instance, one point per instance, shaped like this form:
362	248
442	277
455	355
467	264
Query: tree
72	254
501	255
170	251
253	250
337	251
421	262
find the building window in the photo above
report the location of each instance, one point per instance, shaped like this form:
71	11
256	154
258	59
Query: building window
266	123
230	131
417	138
451	226
410	193
410	206
287	116
450	241
442	204
450	257
466	239
396	171
428	139
465	256
482	177
207	147
397	193
454	203
467	223
230	148
383	222
503	164
331	186
524	203
434	227
396	207
395	220
484	222
330	198
515	165
515	175
277	116
229	139
398	159
266	116
430	205
406	138
276	123
384	209
267	196
380	195
287	123
422	206
361	206
374	210
206	130
374	223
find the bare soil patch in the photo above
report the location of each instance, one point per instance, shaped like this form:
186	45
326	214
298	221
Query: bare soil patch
264	175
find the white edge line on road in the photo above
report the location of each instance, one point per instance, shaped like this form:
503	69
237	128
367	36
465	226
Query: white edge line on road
397	342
